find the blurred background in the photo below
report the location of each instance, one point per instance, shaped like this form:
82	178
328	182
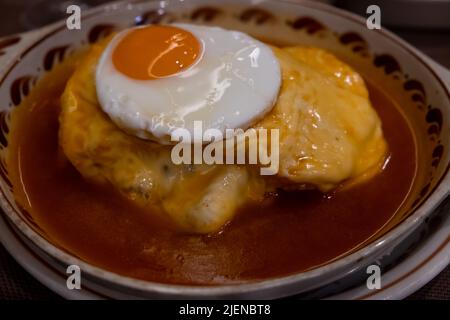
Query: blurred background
423	23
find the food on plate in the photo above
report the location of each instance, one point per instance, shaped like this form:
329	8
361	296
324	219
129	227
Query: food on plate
90	156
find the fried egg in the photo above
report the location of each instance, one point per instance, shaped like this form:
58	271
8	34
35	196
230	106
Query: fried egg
155	79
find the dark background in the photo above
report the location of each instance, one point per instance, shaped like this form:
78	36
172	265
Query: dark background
426	28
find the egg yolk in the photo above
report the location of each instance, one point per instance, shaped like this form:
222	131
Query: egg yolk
155	51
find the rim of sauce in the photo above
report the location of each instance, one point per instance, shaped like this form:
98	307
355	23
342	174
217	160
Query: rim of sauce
293	232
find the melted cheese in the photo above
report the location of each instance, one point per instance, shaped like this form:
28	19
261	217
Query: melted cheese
329	131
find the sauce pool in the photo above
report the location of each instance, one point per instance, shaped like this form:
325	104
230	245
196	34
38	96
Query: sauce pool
293	232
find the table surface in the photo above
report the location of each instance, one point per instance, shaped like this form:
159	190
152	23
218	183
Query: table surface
16	283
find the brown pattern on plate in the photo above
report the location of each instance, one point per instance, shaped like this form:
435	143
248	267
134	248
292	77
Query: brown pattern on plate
54	56
357	43
205	14
437	155
418	92
434	117
21	88
154	17
387	62
309	24
100	31
4	175
4	130
259	16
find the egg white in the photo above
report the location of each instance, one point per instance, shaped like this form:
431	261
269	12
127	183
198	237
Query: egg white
234	82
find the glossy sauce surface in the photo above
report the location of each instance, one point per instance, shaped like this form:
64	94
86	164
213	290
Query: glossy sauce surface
286	234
